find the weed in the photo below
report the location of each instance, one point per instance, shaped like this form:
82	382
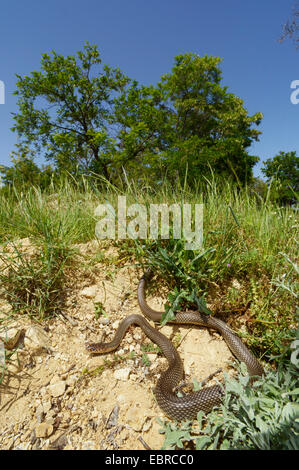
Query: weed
33	284
99	310
244	239
264	417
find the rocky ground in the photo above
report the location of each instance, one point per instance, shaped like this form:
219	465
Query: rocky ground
55	395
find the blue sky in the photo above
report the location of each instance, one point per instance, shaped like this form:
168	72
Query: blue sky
143	37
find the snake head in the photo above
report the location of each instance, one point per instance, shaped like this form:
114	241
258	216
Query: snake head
91	347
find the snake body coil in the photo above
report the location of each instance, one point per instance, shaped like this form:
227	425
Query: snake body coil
186	407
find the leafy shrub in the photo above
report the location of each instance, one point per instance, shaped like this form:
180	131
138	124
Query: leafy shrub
264	416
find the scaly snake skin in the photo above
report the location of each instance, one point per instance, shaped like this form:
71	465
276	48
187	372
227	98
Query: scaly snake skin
186	407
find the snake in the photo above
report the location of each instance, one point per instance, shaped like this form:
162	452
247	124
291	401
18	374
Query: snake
184	407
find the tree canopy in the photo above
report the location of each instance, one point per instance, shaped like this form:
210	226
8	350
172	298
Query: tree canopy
66	111
210	127
284	168
91	118
25	172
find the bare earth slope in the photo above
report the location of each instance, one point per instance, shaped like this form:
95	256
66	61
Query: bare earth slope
55	395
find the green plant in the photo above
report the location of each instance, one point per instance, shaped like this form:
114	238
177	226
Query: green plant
99	310
177	300
108	364
264	416
33	284
25	173
2	361
145	360
283	171
287	281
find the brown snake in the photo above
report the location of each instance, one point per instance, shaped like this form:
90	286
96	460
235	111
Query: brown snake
186	407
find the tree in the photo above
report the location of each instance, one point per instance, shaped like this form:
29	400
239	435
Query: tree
284	169
291	28
106	122
66	111
187	122
144	124
211	128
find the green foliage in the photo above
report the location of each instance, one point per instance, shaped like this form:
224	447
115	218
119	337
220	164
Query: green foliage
188	122
24	172
289	280
110	125
177	301
175	435
264	417
259	188
34	285
65	111
61	215
244	240
144	131
99	310
284	170
210	127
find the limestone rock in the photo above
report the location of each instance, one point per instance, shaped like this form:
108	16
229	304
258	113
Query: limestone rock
122	374
44	430
89	292
36	338
10	337
57	389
